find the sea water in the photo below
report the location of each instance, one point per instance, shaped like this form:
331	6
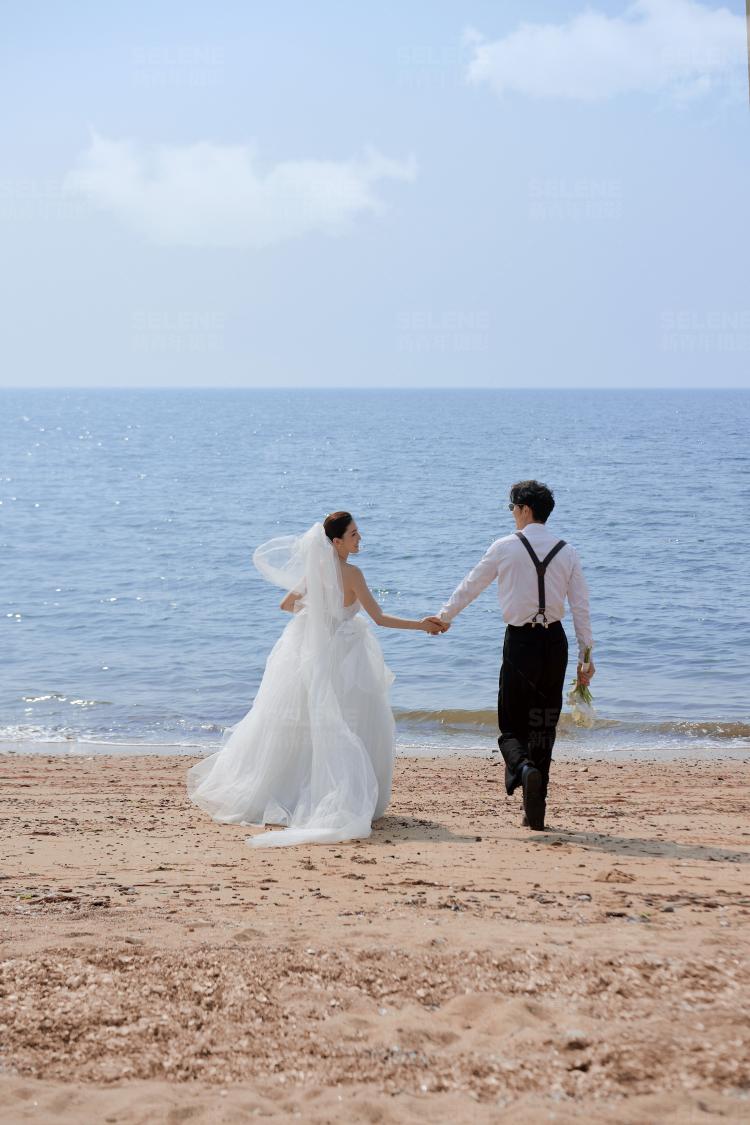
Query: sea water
132	615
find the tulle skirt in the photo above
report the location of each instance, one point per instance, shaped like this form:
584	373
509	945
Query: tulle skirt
315	752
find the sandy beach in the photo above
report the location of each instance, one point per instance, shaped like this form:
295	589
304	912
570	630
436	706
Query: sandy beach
454	967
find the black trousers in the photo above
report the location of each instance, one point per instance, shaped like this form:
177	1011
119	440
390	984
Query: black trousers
529	699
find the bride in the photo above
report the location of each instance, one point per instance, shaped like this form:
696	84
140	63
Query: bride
315	751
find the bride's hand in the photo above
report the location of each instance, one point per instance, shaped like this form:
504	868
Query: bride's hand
443	626
433	626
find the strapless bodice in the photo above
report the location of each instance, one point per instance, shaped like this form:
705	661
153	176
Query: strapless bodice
351	610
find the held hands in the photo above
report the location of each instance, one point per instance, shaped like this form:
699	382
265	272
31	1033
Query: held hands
585	677
434	626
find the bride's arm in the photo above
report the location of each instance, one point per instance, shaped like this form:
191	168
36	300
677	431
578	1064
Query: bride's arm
290	601
368	603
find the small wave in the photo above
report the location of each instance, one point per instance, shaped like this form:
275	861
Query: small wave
183	734
458	720
37	734
486	721
84	742
60	698
449	718
697	729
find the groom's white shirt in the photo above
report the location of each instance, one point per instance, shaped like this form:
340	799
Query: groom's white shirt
508	561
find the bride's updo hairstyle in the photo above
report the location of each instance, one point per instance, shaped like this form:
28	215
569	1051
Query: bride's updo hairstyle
336	524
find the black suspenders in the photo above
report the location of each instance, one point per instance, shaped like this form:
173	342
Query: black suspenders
540	617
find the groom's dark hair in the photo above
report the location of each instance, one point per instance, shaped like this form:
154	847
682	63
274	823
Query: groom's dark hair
538	497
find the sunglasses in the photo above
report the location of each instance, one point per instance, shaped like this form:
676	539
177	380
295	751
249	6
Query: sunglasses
511	506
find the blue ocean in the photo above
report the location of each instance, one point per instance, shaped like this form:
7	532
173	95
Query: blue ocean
133	618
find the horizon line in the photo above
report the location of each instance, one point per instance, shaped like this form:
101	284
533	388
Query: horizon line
401	388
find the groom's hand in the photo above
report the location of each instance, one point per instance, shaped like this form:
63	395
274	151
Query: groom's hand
443	626
585	677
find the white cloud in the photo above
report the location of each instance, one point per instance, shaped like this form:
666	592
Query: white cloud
679	46
218	195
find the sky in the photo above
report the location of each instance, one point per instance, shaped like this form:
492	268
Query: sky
439	193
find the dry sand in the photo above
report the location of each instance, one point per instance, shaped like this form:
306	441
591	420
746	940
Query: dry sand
453	968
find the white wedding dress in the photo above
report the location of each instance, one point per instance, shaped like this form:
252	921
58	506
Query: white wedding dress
315	751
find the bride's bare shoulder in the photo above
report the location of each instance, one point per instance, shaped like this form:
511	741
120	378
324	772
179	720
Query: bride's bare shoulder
352	573
353	577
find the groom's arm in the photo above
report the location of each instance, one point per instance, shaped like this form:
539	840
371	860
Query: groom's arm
578	600
475	581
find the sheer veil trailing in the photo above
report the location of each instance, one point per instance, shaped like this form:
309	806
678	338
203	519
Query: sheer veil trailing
342	790
325	686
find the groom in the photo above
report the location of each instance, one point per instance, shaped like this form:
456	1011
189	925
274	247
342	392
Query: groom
535	573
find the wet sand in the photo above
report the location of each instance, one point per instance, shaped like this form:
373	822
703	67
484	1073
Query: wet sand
454	967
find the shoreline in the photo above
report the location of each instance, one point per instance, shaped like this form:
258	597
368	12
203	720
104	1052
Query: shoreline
453	966
442	751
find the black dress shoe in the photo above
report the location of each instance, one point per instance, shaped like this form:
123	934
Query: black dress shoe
524	821
533	799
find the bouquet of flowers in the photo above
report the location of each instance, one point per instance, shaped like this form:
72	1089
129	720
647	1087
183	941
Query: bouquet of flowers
580	699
